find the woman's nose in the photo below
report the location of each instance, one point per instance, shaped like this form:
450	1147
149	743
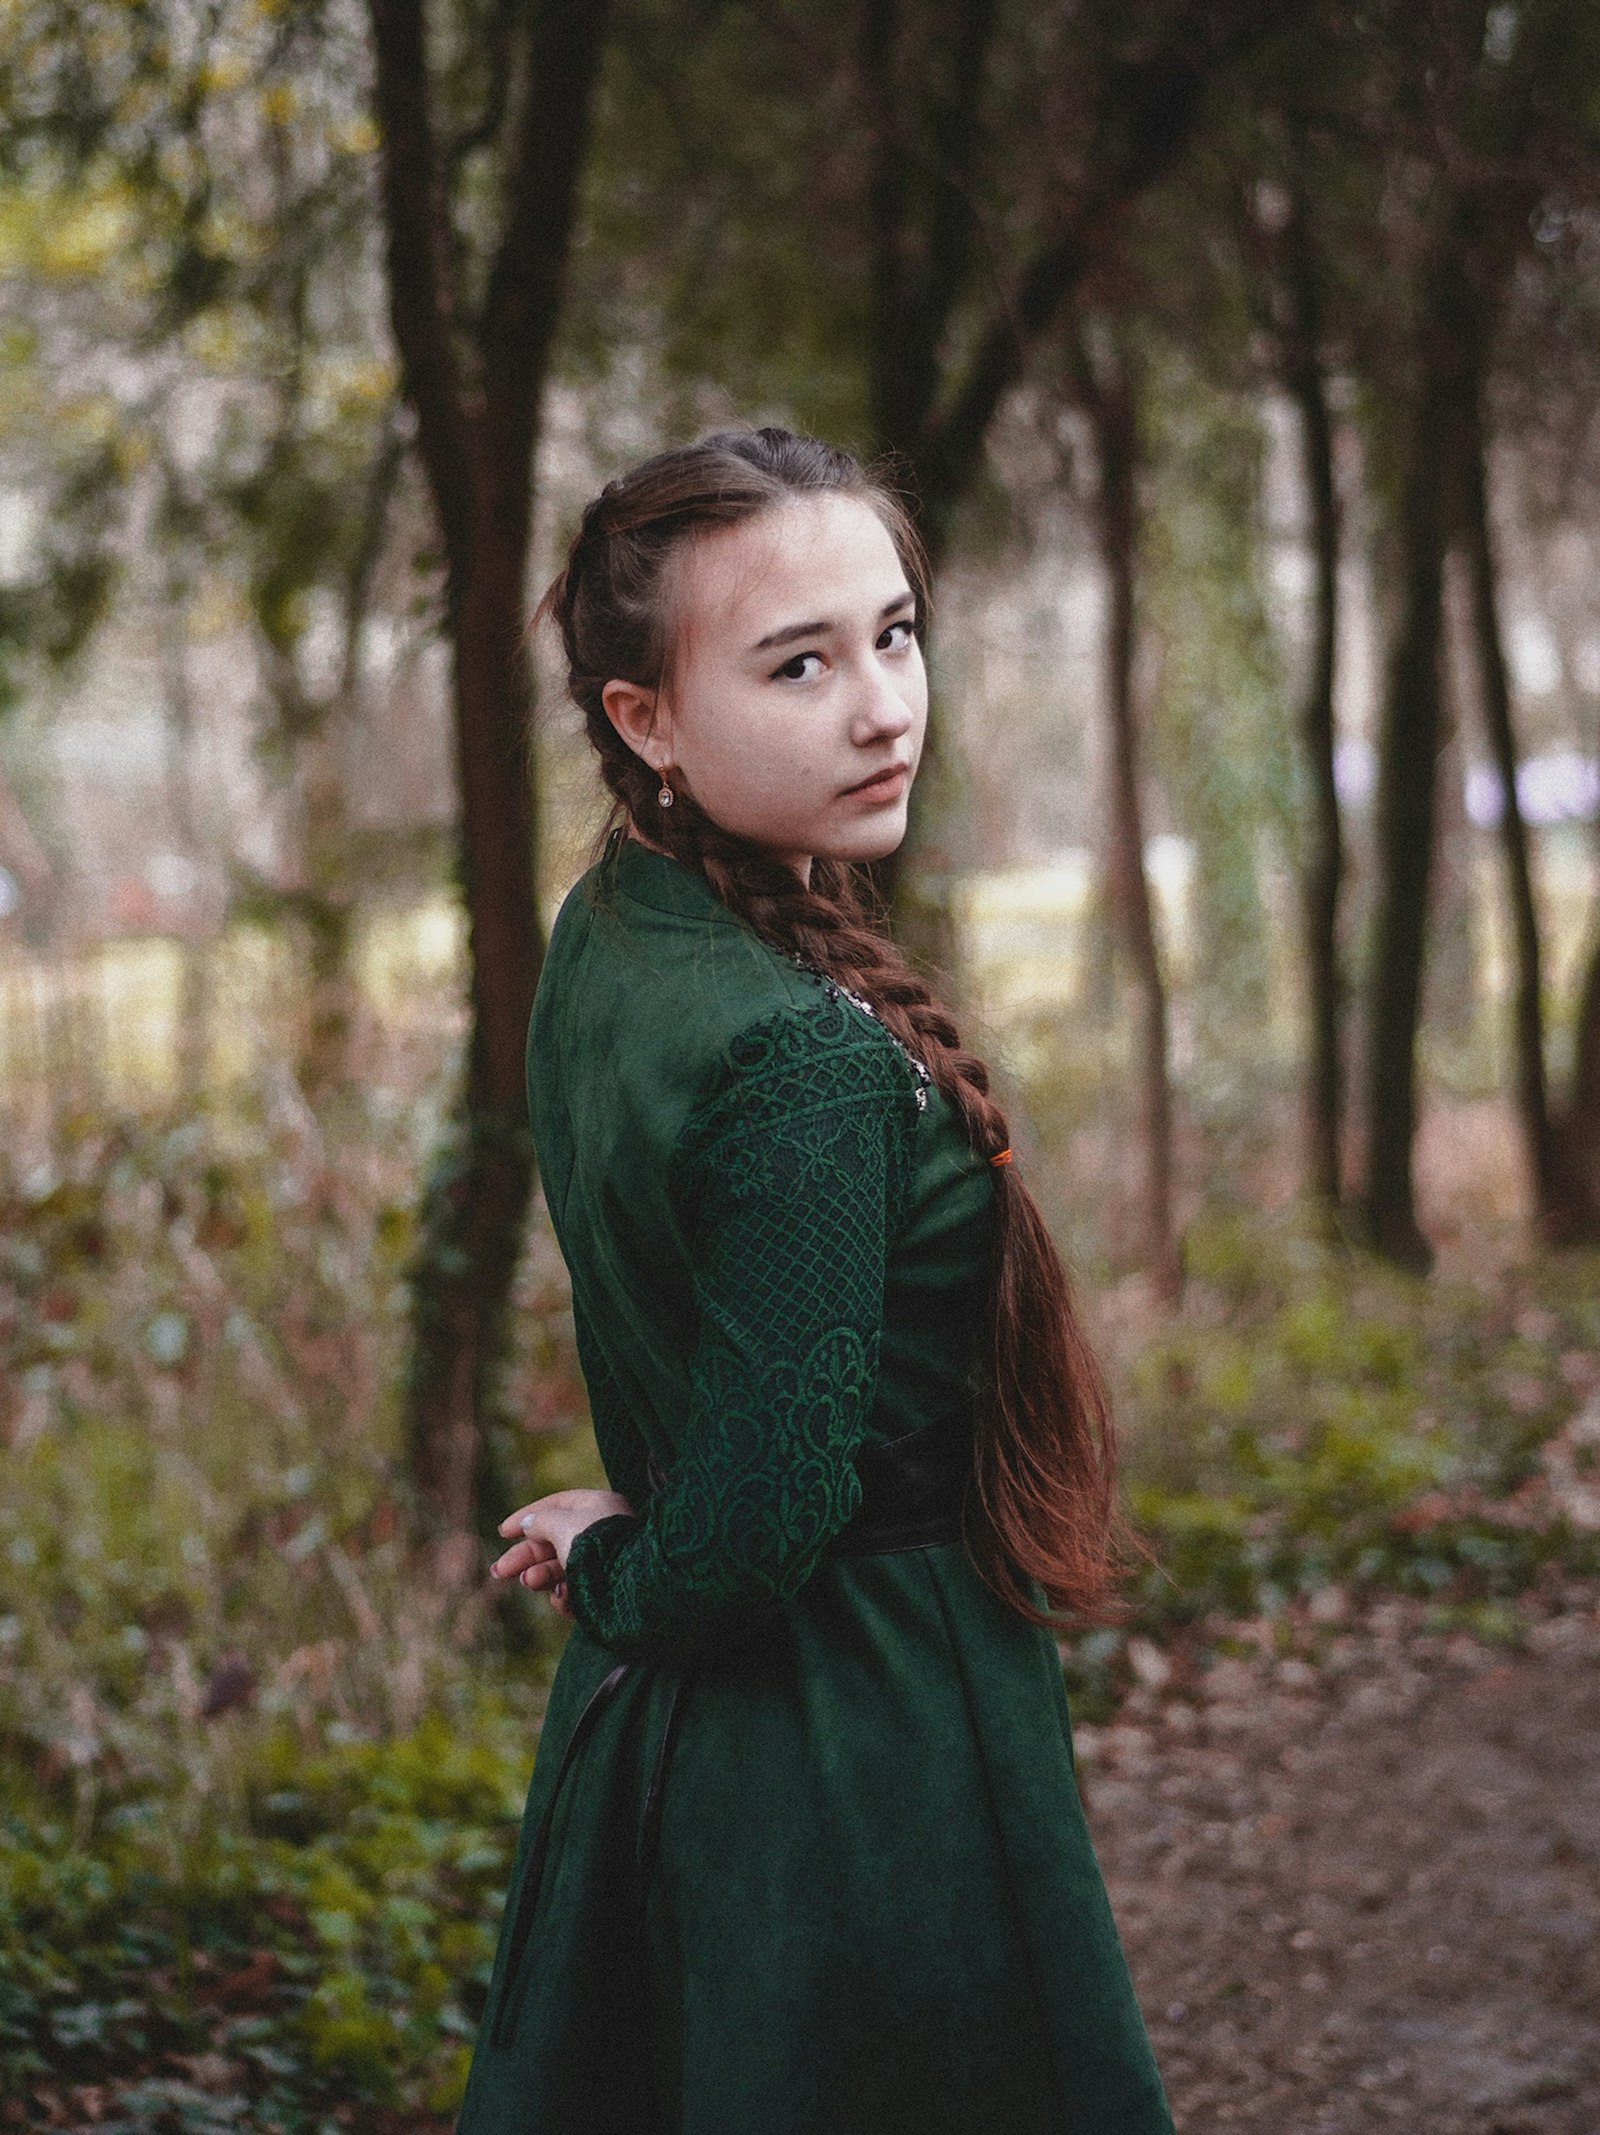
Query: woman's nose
880	707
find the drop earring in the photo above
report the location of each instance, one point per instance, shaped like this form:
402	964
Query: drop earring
664	797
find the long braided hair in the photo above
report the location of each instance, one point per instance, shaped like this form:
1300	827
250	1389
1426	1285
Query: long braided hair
1041	1506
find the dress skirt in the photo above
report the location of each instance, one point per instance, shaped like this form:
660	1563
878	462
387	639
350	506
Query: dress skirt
870	1907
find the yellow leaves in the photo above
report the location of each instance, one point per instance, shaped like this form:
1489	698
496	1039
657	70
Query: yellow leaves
279	103
223	339
82	243
351	382
356	136
216	611
133	449
224	72
87	418
226	234
63	236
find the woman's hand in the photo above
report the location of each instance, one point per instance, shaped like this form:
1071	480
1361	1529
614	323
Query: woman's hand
546	1528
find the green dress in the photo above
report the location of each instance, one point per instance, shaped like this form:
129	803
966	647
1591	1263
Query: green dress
858	1897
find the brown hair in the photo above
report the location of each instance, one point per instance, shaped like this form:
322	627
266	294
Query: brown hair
1044	1445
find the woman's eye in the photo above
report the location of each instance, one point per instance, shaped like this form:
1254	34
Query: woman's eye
795	670
900	643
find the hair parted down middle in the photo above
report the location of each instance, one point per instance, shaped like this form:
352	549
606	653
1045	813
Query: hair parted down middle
1042	1502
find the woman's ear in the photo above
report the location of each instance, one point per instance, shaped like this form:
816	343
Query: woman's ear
641	719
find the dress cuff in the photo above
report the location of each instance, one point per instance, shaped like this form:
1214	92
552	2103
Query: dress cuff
588	1566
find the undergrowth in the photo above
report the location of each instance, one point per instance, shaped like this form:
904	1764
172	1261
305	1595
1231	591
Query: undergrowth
1313	1427
260	1780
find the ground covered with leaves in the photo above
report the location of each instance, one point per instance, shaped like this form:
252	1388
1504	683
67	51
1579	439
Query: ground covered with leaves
259	1782
1356	1862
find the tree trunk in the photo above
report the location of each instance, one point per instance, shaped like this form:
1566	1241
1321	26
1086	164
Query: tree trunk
196	949
1408	771
1323	870
1575	1138
1108	393
1575	1123
1450	992
327	918
477	437
1494	689
477	1195
330	895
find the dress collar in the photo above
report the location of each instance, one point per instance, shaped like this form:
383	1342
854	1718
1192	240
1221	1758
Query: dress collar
666	885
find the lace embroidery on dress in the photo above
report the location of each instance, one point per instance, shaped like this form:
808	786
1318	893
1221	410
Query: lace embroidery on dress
791	1174
836	987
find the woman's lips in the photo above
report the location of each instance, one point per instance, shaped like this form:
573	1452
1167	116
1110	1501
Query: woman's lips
884	786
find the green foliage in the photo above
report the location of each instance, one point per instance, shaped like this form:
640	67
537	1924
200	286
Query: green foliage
1314	1426
749	300
188	199
260	1781
259	1774
338	1943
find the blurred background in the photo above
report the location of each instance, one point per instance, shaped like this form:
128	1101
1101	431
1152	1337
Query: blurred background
1243	363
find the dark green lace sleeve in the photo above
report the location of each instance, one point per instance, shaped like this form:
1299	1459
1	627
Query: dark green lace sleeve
791	1174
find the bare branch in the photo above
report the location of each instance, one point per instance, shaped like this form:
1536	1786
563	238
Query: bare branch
1150	115
524	292
419	293
916	284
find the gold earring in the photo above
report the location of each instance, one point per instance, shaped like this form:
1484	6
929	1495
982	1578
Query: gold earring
664	797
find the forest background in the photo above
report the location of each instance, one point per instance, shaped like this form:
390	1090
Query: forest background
1243	363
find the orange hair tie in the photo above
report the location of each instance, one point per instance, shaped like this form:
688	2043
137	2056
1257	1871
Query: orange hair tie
1004	1157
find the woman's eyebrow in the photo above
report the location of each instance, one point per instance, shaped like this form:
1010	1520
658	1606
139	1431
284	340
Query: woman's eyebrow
791	631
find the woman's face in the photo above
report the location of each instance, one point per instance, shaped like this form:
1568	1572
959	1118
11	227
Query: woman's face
796	679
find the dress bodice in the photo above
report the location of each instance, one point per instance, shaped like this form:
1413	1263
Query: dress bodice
777	1235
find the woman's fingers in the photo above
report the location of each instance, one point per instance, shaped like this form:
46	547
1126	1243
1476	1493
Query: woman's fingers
535	1564
521	1554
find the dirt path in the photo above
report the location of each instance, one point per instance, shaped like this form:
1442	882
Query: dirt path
1367	1895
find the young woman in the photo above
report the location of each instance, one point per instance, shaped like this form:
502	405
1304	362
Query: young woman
803	1853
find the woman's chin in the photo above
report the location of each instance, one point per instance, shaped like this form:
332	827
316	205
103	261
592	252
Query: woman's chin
867	841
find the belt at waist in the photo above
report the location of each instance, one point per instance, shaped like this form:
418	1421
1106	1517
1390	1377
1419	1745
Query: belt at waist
911	1491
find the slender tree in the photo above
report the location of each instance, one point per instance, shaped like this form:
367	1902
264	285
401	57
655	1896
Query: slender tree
474	374
1544	395
1412	734
1490	121
1283	246
1126	90
1494	694
1104	384
1575	1213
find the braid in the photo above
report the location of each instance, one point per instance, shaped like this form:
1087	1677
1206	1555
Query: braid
828	927
1041	1515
